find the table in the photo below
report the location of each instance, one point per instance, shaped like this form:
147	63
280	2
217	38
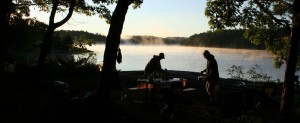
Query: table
174	84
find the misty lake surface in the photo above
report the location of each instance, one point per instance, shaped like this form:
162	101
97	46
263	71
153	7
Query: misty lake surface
184	58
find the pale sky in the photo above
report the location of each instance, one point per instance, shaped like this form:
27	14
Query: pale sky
161	18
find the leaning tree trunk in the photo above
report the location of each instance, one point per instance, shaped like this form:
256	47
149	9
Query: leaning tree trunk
109	72
288	85
47	42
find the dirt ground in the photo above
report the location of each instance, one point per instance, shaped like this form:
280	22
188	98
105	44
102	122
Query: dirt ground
238	102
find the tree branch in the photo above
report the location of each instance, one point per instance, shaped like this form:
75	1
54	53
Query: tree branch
71	9
284	23
53	12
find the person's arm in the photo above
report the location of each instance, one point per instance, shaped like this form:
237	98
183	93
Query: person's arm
201	72
201	76
159	67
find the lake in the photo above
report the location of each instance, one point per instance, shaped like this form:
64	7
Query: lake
184	58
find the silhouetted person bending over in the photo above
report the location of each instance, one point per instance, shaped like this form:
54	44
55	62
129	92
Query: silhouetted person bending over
154	66
211	75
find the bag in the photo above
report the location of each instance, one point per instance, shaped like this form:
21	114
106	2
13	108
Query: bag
119	56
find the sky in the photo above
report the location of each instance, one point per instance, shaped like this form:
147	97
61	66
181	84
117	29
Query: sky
161	18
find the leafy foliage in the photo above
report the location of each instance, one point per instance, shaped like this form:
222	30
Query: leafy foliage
255	73
20	8
76	43
267	22
62	42
25	36
71	66
275	40
82	6
236	72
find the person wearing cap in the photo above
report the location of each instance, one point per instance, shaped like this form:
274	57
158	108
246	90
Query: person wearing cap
154	65
211	75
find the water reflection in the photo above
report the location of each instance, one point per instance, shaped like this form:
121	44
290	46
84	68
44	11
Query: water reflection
183	58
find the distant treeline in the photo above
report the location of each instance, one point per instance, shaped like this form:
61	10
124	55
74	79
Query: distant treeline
96	38
222	39
144	40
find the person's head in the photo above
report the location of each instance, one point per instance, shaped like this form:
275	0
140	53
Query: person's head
161	55
206	54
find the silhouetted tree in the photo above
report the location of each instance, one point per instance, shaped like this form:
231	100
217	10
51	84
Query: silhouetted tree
79	6
24	38
46	44
9	9
5	7
109	73
274	23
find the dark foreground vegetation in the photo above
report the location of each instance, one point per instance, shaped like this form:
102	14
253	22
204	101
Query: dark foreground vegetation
65	94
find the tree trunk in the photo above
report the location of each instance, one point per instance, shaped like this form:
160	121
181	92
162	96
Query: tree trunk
288	85
109	73
45	48
47	41
5	7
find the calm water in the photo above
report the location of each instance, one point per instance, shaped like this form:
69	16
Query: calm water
135	57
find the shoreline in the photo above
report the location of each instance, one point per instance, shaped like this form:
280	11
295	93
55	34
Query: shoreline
235	96
128	79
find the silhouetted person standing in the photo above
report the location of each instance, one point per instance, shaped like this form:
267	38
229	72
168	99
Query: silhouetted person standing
154	65
211	75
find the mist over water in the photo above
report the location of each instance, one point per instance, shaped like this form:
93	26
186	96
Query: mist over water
183	58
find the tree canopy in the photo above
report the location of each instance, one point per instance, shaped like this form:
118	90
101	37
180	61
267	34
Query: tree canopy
273	23
266	22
